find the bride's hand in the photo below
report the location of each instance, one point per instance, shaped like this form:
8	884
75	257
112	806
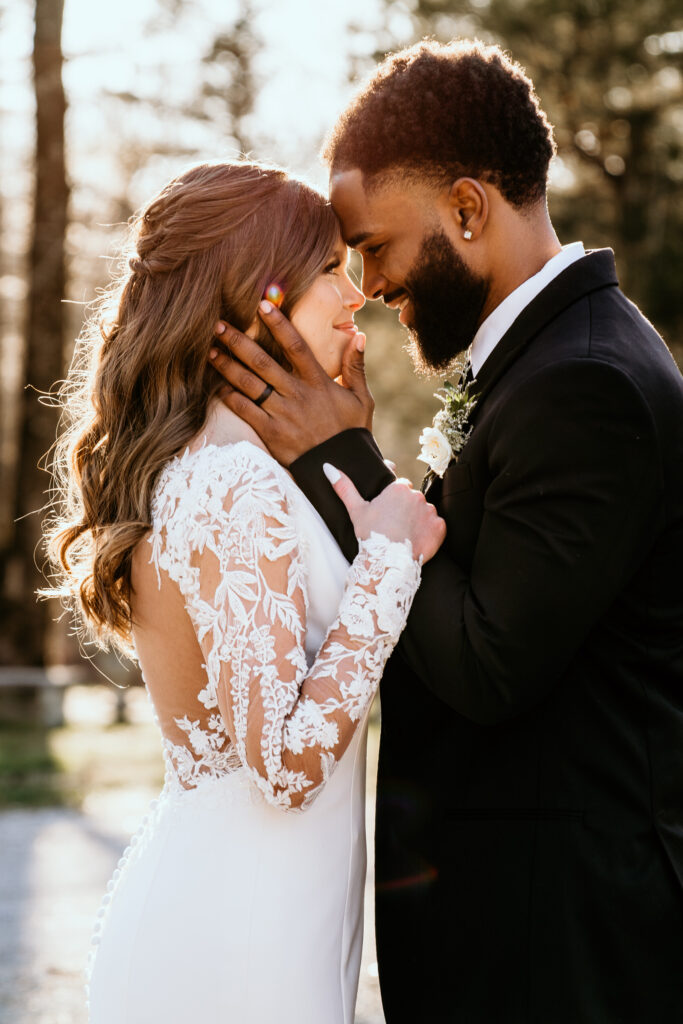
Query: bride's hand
399	513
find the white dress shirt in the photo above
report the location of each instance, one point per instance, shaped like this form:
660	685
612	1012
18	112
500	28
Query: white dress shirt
504	315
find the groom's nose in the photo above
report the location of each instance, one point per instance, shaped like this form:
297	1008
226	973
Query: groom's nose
373	284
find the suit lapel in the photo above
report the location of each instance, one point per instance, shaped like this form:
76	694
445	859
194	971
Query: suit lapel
432	490
595	271
592	273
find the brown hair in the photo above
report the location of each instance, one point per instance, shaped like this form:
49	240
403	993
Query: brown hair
205	248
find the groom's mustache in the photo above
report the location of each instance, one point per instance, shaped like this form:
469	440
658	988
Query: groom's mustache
392	296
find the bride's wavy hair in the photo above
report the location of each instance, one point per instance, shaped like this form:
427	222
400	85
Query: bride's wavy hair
205	248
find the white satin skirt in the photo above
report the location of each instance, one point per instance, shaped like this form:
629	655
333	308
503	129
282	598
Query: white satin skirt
227	910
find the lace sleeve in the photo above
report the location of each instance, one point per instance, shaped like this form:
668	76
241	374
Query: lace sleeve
244	589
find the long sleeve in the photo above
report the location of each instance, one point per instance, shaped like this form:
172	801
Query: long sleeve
232	544
567	517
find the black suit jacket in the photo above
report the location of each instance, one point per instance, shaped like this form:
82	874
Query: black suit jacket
529	840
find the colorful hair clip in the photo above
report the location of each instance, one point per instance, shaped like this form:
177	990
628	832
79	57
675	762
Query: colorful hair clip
274	294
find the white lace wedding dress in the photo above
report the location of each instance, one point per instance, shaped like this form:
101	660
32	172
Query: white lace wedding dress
239	901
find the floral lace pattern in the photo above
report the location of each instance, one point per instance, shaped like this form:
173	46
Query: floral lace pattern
225	531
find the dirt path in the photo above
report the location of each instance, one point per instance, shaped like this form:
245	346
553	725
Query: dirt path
53	865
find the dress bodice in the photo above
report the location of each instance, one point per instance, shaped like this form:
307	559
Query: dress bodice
291	641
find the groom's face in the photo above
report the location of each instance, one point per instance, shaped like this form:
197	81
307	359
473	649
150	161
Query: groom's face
409	246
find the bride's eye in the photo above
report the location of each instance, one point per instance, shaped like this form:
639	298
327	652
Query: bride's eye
332	266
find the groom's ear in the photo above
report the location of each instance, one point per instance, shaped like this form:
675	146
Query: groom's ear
469	206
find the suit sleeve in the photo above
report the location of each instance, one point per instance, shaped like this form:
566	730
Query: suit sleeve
355	453
573	503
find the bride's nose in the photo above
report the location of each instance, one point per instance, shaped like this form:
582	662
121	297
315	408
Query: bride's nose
354	298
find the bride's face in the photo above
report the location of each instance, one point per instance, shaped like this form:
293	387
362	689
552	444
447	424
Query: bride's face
323	316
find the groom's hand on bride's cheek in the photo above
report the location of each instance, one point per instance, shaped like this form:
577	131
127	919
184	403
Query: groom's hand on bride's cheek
305	407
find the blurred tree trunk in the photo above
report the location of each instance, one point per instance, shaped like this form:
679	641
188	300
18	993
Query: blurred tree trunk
24	620
5	509
5	513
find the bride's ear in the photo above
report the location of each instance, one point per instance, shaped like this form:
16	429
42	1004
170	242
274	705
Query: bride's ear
469	207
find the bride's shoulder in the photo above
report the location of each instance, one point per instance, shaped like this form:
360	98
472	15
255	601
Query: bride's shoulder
217	469
223	463
207	480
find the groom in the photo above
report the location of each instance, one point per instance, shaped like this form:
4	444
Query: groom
529	840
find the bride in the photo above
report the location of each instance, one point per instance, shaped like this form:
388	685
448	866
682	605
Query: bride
184	543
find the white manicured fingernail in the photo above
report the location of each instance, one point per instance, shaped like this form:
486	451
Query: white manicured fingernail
331	472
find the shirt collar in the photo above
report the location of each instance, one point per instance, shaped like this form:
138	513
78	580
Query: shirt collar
504	315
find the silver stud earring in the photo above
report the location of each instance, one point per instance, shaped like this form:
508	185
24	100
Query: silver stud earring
467	234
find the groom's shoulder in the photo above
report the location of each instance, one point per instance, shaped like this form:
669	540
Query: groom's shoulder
605	327
604	343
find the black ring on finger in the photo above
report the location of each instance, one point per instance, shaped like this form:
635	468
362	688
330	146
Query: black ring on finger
267	391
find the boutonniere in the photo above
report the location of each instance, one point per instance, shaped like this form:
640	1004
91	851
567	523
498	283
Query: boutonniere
445	439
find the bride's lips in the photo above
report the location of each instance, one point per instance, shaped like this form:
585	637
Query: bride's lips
348	327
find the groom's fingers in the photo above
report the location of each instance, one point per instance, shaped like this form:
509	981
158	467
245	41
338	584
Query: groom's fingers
290	341
238	377
247	411
353	376
353	366
257	364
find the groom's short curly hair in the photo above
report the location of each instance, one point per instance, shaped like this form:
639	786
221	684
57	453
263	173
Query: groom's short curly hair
447	111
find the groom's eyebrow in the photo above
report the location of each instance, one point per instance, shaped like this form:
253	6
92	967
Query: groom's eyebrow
358	239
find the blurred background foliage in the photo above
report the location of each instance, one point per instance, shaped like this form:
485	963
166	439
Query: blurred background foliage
87	138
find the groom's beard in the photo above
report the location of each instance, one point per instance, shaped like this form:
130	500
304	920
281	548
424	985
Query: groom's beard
447	300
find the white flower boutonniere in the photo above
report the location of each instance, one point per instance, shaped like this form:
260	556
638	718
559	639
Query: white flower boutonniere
445	439
436	451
